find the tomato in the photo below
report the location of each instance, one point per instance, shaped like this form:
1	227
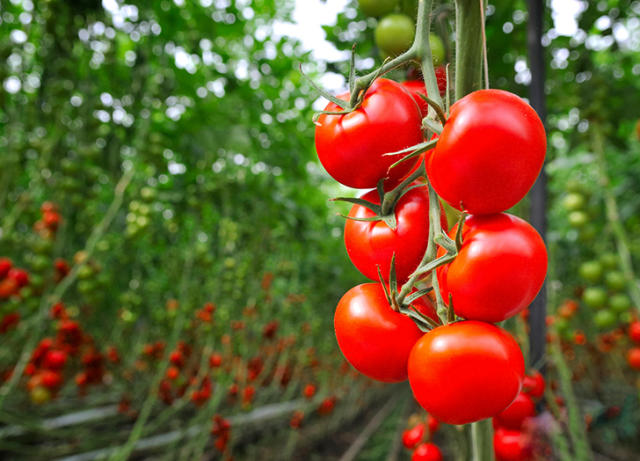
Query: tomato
416	88
605	319
609	260
499	269
510	445
374	338
574	201
594	297
534	384
591	271
514	416
633	358
634	331
427	452
578	219
373	243
619	303
615	281
5	267
394	34
465	371
412	437
433	424
377	8
437	49
351	146
489	153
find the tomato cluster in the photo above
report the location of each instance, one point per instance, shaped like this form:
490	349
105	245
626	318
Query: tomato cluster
418	438
486	158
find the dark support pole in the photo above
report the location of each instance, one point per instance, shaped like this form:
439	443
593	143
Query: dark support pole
538	309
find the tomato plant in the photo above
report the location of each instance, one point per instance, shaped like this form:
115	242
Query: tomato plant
489	153
498	270
480	363
351	146
373	243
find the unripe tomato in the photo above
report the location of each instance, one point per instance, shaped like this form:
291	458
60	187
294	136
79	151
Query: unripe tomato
510	445
594	297
40	395
394	34
605	319
351	146
427	452
633	358
591	271
534	384
619	303
514	416
412	437
373	243
499	269
615	281
374	338
465	371
437	49
578	219
377	8
609	260
489	153
574	201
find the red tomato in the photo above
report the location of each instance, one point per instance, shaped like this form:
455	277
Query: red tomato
510	445
55	359
416	88
351	146
374	338
427	452
499	269
20	276
433	424
373	243
489	153
465	371
514	416
634	331
534	384
412	437
5	267
633	358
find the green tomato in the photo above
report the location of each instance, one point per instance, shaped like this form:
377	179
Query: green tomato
626	317
605	319
377	8
561	325
609	260
394	34
615	281
437	49
595	297
591	271
573	185
578	218
587	233
574	201
39	263
620	303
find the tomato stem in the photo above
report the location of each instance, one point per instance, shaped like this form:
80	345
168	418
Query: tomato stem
468	75
482	440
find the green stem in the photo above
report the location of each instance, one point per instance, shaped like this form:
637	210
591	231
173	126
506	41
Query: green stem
468	68
482	440
613	217
423	52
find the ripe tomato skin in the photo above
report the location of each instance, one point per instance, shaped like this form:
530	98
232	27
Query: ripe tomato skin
373	243
416	88
412	437
351	146
465	371
634	331
499	269
633	358
534	384
426	452
514	416
511	445
374	338
489	153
